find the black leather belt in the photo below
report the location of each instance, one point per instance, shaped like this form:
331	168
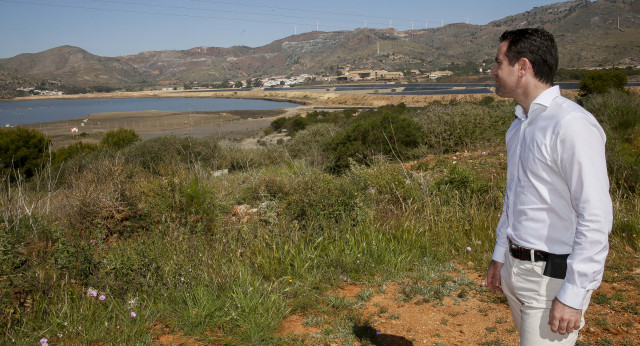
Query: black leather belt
555	266
524	254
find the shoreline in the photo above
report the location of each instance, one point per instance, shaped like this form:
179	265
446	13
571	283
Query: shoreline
231	126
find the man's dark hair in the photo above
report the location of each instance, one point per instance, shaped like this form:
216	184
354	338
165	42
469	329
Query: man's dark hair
538	46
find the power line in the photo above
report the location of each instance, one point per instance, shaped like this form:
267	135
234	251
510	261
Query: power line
226	11
226	18
160	13
292	9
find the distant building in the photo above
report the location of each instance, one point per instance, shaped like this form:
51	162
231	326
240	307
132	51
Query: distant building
438	74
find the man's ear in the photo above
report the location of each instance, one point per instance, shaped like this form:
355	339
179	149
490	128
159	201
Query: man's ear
524	66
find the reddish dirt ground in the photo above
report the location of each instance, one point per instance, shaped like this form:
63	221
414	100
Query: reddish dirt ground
476	320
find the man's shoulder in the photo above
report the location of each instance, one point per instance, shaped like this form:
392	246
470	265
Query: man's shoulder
568	117
563	108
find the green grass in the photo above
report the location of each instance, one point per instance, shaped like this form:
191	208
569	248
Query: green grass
153	229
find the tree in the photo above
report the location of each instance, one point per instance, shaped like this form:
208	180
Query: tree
238	84
120	138
249	83
599	82
22	150
257	82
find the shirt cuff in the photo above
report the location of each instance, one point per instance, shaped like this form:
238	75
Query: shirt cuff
572	296
499	254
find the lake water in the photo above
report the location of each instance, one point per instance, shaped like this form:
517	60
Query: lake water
30	112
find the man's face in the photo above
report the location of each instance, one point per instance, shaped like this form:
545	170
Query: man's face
506	75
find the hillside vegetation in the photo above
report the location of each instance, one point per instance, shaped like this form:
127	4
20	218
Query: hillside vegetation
186	236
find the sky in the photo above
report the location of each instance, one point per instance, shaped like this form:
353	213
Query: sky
123	27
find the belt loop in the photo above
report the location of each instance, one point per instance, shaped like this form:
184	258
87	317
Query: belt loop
533	255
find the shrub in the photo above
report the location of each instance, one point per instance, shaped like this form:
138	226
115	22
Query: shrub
465	126
309	144
298	123
22	150
120	138
79	148
599	82
157	153
382	132
619	114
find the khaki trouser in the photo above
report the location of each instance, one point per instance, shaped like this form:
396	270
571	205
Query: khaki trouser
530	295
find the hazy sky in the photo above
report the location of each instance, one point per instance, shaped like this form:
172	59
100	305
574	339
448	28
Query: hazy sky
114	27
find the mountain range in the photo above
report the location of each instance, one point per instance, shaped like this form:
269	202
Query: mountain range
589	34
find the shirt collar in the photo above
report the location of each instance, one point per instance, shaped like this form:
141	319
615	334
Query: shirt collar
544	99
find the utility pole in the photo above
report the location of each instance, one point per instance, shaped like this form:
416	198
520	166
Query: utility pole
619	28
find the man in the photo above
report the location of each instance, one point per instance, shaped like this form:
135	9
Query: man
552	237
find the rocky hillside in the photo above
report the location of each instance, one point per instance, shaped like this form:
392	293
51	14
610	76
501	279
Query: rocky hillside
73	65
587	34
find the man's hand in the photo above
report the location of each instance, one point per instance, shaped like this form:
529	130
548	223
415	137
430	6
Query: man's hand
493	276
564	319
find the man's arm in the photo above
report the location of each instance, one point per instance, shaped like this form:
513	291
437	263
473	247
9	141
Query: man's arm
581	152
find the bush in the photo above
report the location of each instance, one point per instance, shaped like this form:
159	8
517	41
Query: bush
157	153
120	138
22	150
309	144
298	123
382	132
464	126
619	114
599	82
64	154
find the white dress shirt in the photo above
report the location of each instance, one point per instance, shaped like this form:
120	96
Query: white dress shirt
557	197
